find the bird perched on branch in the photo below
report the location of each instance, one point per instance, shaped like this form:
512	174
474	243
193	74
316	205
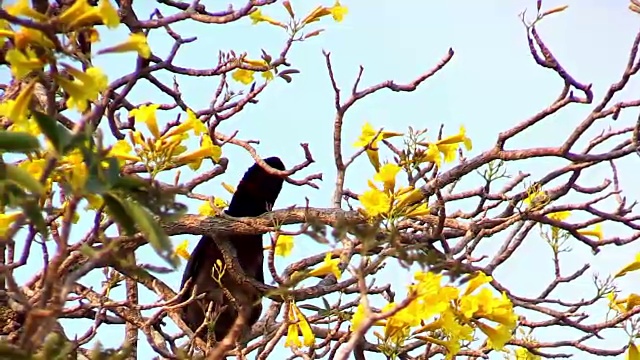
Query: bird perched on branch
255	195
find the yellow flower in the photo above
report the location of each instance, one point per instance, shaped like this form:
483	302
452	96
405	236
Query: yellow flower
338	11
257	17
387	175
147	115
375	202
220	203
27	36
6	220
633	352
525	354
596	231
460	137
230	189
192	123
536	197
615	303
358	317
22	8
477	281
284	245
181	250
267	75
449	151
397	327
81	13
559	216
122	150
368	135
316	14
635	265
194	158
94	201
299	321
22	63
18	110
408	196
243	76
84	88
136	42
207	210
75	171
498	337
328	266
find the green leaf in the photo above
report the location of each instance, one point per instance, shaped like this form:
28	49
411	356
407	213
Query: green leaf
54	131
116	208
23	178
18	142
34	214
326	304
152	230
310	307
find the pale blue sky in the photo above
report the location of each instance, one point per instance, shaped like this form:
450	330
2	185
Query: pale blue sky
491	84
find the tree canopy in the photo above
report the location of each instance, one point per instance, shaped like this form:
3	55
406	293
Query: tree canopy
109	167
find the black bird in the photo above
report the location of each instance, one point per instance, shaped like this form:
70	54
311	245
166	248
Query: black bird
255	195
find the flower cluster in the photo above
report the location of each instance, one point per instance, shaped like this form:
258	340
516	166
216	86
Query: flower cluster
295	26
437	152
445	316
387	203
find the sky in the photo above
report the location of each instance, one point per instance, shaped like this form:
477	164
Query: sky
491	84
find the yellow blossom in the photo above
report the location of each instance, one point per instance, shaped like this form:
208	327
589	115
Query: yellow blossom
498	337
207	210
22	8
220	203
284	245
328	266
147	115
615	303
368	136
243	76
477	281
194	158
633	352
358	317
398	326
387	175
338	11
635	265
460	137
596	231
257	17
85	87
191	123
136	42
525	354
18	110
375	202
28	36
316	14
536	197
181	250
230	189
418	210
94	201
22	63
81	13
298	321
6	220
122	150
